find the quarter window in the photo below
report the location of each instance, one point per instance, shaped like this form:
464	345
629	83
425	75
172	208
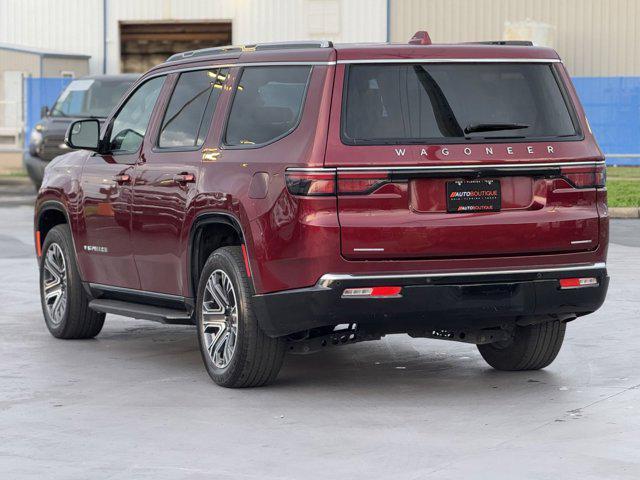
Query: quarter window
267	104
190	110
131	122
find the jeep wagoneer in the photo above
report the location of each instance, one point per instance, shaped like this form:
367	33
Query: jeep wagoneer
290	197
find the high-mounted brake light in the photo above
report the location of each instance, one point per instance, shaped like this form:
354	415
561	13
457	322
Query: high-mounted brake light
421	37
585	177
372	292
566	283
313	184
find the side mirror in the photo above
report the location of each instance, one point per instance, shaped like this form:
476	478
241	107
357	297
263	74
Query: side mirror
84	134
44	111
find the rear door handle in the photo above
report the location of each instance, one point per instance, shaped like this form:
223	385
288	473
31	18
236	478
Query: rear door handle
123	178
184	178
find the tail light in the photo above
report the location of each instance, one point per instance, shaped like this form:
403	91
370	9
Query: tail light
585	177
360	183
313	184
316	184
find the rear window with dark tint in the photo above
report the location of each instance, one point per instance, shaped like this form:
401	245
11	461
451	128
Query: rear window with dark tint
267	104
458	102
190	110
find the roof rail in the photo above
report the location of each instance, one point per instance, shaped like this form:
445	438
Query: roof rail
206	52
517	43
288	45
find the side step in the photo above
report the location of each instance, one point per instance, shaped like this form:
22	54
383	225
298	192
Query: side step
145	312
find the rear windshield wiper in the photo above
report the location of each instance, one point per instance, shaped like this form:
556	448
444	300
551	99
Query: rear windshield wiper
493	127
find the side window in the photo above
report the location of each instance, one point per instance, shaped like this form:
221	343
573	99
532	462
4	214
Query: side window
267	104
190	110
130	124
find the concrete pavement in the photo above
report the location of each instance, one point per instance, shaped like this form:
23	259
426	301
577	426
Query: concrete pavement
136	403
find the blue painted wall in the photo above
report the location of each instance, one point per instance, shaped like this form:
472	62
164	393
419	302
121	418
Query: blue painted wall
40	92
613	109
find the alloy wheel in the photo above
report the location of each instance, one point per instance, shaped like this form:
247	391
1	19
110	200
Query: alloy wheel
54	283
220	318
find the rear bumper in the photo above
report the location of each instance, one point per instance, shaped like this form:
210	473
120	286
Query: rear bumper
438	300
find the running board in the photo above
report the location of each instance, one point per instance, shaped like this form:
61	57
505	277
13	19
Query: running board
145	312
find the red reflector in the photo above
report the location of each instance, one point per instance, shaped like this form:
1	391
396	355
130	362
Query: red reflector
385	291
246	260
372	292
578	282
38	244
569	282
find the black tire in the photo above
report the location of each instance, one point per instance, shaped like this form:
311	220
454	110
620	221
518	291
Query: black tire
533	347
256	358
78	320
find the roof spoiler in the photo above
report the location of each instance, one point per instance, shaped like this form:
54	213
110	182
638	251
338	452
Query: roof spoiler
421	37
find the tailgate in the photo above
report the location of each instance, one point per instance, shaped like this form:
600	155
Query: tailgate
407	214
444	159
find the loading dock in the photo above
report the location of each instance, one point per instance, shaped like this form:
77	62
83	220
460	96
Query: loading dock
143	45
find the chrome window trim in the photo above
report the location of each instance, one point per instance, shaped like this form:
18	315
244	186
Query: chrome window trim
452	60
343	62
445	168
328	278
239	64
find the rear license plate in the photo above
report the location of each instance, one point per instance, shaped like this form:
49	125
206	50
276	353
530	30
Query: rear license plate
473	196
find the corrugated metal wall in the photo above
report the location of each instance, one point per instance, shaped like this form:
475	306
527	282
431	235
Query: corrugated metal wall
594	37
73	26
76	25
258	20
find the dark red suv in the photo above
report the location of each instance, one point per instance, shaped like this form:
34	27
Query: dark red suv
288	197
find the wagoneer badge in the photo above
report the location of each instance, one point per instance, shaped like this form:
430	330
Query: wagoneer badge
468	151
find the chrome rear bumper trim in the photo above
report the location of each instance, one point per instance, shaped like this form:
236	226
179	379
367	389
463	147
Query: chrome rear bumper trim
327	279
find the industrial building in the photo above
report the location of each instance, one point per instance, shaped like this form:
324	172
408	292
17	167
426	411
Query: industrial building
130	35
597	39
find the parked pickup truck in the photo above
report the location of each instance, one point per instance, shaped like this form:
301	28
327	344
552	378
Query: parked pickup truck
290	197
87	97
